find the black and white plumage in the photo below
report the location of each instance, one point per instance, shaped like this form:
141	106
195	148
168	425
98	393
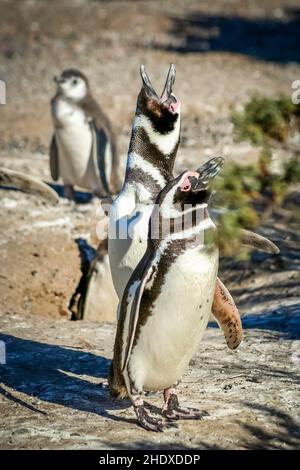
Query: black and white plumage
152	151
168	300
83	149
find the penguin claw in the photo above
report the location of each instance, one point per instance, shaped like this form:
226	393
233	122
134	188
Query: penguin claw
172	410
185	413
147	421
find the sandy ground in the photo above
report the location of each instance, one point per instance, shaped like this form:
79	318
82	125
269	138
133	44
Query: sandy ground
52	398
50	392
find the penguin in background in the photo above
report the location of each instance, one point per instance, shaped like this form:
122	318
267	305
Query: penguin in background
83	150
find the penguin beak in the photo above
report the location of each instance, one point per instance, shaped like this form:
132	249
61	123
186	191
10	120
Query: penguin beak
211	168
151	93
200	180
167	97
167	93
58	80
198	184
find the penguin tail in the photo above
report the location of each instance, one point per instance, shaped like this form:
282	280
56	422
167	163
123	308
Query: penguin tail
116	384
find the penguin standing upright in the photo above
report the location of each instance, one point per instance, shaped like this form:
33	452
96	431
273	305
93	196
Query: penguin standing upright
168	300
152	151
83	149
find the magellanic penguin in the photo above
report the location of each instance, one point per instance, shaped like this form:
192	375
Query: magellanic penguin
168	300
83	149
152	151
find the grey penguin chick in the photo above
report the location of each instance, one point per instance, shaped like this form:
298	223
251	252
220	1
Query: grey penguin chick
168	300
83	149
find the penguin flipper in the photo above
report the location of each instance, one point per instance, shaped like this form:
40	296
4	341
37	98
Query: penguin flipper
100	148
103	129
258	242
112	168
54	160
132	300
129	313
15	179
227	315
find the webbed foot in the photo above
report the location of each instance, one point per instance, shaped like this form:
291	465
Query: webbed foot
172	409
147	421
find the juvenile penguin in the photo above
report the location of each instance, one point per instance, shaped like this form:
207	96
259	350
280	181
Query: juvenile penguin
152	151
168	300
83	149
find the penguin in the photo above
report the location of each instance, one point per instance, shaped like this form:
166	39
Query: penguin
151	155
28	184
83	148
168	299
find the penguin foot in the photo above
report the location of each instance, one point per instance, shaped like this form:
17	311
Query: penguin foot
147	421
172	410
69	192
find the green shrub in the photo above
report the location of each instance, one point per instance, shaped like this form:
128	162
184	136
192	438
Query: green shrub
292	170
264	119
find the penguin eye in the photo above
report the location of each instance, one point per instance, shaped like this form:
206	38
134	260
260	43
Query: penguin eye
74	81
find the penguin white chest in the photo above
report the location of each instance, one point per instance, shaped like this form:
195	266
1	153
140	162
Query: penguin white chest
176	322
74	139
127	241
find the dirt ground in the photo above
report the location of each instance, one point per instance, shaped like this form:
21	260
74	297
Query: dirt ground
51	395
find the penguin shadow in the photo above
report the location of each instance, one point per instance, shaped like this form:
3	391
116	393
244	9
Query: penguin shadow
268	39
86	252
57	374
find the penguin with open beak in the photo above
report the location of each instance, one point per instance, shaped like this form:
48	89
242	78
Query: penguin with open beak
168	300
151	156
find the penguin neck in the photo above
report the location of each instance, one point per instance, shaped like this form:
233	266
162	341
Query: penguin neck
188	227
151	155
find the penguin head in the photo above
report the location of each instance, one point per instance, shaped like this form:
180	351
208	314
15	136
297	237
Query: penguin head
72	84
163	111
190	188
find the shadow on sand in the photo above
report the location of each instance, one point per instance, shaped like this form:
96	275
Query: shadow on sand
269	39
51	373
